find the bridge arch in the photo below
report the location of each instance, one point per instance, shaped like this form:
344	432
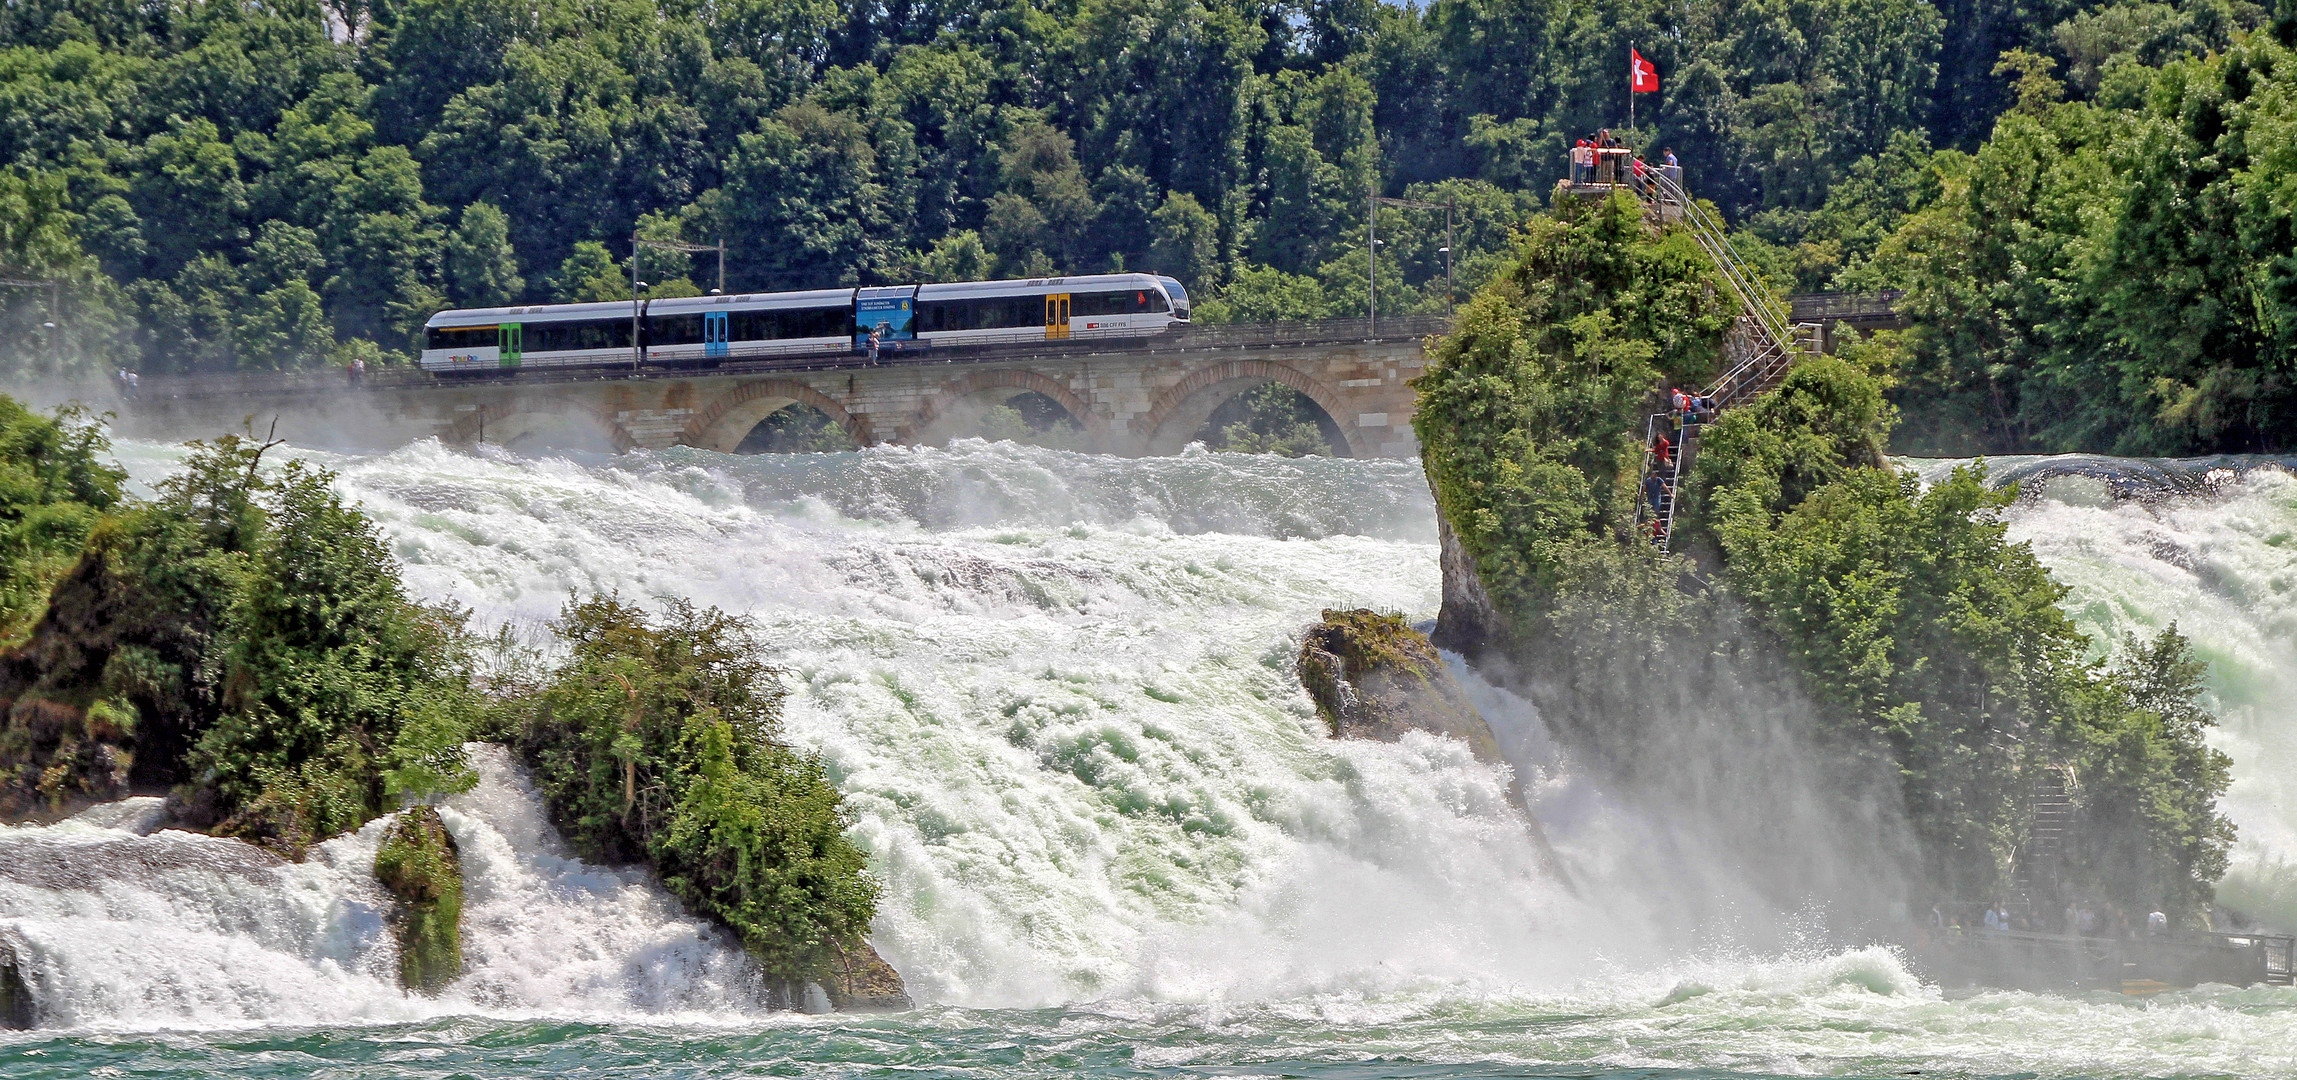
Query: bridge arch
1177	414
727	419
506	424
937	419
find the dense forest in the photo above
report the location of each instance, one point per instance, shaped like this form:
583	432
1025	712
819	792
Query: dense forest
2088	200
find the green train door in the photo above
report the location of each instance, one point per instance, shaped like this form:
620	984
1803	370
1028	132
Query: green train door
510	344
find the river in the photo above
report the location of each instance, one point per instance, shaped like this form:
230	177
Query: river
1056	691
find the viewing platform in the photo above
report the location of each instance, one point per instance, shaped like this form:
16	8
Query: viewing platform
2023	960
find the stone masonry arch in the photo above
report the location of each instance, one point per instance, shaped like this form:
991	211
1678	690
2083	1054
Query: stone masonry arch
504	423
1181	410
728	418
942	405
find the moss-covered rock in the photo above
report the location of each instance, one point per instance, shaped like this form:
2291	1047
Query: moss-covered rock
1374	677
861	981
422	869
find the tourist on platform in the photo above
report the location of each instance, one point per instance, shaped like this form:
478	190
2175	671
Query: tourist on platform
876	336
1583	161
1673	169
2156	924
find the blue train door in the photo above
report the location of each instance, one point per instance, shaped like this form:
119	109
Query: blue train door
713	334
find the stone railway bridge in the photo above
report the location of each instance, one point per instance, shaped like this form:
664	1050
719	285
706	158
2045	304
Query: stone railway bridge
1131	397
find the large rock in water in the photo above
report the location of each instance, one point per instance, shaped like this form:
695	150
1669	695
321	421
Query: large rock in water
422	869
863	982
17	1012
1374	677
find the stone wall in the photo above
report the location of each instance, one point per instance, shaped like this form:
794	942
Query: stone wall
1142	401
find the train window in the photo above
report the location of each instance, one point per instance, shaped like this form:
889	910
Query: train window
1128	302
460	337
789	323
577	336
985	313
674	329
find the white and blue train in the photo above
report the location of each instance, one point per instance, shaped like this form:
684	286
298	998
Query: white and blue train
701	331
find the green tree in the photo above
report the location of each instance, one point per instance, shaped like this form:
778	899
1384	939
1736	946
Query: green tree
481	266
54	481
659	738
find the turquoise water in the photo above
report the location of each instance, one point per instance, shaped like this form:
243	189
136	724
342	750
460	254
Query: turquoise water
1115	841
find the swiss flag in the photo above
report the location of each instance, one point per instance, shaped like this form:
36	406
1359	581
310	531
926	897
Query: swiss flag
1642	78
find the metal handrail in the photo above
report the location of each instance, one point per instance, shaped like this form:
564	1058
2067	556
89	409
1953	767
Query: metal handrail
1715	239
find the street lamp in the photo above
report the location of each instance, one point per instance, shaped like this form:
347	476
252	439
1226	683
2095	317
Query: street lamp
1447	206
637	351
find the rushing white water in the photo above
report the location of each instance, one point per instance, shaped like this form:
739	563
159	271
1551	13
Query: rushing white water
117	929
1057	693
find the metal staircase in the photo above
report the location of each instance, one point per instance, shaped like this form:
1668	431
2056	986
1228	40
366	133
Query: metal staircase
1762	348
2049	829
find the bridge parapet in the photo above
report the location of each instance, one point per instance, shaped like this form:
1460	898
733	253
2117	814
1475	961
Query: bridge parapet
1127	396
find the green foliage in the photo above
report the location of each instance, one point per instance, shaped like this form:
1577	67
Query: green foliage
419	865
243	637
466	151
657	739
1530	410
54	481
1918	624
1265	294
1271	418
796	429
1919	636
2111	275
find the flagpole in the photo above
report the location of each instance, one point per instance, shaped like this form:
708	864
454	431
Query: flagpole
1631	81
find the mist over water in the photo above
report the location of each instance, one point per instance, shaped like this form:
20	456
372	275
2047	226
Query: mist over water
2209	544
1057	692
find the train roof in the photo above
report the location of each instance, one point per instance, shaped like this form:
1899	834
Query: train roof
530	313
807	298
798	299
1036	286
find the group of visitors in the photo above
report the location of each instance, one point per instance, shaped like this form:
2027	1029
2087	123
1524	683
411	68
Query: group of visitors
1598	158
1685	412
126	382
2080	919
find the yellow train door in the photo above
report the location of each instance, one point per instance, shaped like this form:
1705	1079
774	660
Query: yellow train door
1056	316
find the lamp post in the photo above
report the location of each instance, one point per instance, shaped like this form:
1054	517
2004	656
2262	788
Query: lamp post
1447	206
637	350
54	325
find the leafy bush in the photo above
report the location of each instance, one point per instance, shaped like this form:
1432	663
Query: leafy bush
53	484
657	740
243	637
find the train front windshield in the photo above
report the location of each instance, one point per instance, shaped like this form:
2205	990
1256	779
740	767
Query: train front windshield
1179	297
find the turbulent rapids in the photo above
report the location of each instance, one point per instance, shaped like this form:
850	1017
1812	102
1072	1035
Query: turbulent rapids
1057	693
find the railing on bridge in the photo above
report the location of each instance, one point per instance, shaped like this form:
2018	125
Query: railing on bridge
1828	307
1181	339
